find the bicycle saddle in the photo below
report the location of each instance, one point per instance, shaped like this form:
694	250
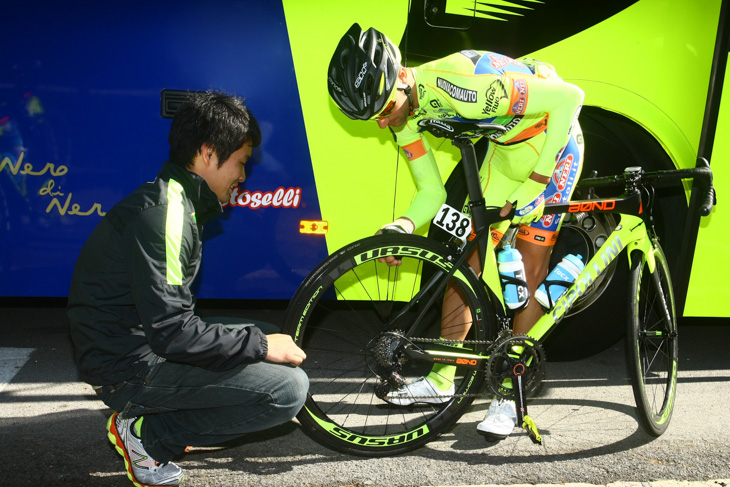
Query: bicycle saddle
452	129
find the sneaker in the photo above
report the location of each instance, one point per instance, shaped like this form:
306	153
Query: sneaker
142	469
501	419
409	394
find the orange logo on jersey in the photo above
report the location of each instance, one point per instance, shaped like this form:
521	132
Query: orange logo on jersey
414	150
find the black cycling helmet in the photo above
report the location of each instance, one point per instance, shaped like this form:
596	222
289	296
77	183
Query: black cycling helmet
363	73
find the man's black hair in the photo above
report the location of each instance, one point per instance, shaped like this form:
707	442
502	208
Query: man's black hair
219	120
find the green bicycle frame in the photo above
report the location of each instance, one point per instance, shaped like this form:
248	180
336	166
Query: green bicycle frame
631	232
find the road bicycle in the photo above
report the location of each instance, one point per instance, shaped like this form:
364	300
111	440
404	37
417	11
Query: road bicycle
368	328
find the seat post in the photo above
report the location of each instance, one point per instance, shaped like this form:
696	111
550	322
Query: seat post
474	189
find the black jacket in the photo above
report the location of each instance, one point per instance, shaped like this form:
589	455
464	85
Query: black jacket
130	295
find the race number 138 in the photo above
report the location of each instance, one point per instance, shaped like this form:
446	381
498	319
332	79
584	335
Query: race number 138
453	221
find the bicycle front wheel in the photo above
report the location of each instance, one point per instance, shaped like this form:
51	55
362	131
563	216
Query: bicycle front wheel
652	341
352	316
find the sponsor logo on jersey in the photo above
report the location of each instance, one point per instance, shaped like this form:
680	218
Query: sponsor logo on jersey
499	61
414	150
457	92
512	123
279	198
530	206
562	172
494	94
520	87
547	220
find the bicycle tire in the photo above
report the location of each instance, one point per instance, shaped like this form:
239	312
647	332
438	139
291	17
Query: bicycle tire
652	341
335	315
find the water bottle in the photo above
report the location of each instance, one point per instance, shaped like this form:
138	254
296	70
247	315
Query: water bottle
512	271
562	276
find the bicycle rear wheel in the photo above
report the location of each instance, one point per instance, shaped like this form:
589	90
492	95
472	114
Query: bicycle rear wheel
652	341
345	316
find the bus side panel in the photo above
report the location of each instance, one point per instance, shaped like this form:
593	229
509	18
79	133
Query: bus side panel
81	127
708	287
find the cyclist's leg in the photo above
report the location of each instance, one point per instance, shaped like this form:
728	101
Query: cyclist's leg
536	257
536	241
496	186
454	324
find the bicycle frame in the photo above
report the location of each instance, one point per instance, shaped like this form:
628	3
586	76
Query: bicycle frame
631	233
359	363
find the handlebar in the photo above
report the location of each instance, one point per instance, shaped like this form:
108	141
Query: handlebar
635	176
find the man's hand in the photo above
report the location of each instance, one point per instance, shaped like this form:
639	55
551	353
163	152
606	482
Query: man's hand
527	214
529	199
505	209
401	225
283	350
390	261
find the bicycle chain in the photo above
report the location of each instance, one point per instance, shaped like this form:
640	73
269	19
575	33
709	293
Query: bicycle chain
451	342
487	392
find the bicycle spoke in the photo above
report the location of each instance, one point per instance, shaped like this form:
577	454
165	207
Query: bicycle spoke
652	345
354	321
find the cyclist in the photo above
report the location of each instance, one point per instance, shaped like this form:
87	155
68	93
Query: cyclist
536	159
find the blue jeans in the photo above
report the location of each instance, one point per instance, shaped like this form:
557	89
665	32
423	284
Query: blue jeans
185	405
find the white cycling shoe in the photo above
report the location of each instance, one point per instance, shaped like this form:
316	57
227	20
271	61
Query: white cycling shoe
421	390
501	419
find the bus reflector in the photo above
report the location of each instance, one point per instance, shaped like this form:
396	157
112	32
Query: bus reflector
313	227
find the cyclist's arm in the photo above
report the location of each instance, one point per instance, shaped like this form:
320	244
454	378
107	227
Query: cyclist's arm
431	193
561	101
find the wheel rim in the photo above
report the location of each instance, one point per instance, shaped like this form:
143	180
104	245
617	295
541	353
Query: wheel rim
656	342
358	301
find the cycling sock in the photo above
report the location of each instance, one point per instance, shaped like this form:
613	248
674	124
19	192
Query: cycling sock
442	375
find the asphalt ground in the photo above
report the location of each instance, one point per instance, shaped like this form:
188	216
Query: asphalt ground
52	427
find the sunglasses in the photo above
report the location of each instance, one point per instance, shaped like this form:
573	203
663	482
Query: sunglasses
387	110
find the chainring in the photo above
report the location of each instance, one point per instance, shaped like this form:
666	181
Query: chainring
515	356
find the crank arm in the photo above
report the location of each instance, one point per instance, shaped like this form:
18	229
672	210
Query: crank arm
527	423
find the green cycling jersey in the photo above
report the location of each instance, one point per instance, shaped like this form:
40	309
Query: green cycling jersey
526	96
